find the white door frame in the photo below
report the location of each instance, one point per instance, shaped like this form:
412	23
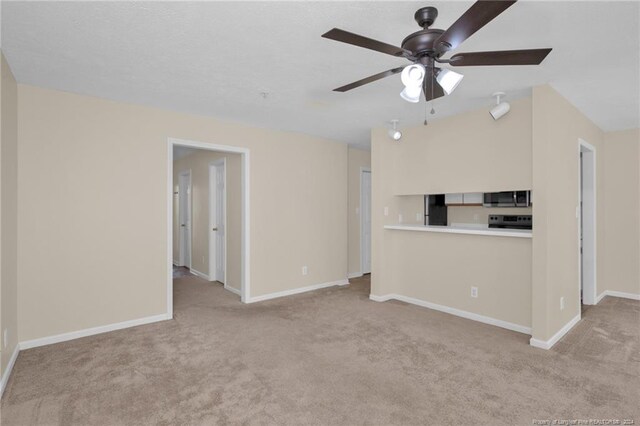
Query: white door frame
362	171
189	246
245	270
587	209
213	192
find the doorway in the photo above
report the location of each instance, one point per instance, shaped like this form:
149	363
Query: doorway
241	214
587	223
217	220
365	220
184	217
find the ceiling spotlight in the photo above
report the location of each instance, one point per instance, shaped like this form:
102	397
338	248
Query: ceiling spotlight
394	133
412	77
501	108
448	80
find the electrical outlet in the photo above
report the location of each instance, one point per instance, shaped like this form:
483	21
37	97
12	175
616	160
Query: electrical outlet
386	211
400	218
5	338
418	217
562	303
305	270
476	217
474	292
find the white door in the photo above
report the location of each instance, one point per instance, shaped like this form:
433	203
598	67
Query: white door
587	224
365	221
217	220
184	217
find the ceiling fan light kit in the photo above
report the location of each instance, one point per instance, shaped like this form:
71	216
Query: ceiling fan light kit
412	77
501	108
425	48
448	80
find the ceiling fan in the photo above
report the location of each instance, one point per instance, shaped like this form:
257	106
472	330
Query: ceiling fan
426	47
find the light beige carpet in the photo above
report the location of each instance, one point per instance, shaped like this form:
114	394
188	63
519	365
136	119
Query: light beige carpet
330	357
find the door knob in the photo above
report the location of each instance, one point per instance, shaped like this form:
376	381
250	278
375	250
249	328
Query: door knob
183	225
215	229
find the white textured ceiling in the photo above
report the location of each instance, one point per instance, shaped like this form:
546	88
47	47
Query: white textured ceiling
216	58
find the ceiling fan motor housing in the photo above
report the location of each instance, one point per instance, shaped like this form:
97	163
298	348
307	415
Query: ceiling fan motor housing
422	42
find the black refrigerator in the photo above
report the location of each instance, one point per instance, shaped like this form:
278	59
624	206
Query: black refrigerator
435	210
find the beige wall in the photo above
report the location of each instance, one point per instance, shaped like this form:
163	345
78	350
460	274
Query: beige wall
621	246
358	159
442	268
8	213
557	126
467	153
198	164
92	207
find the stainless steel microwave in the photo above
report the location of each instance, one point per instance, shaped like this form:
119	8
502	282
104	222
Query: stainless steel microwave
507	199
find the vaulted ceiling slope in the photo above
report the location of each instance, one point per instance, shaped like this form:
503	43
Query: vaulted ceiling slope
218	58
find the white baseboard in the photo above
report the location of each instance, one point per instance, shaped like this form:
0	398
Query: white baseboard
297	291
453	311
352	275
91	331
384	298
7	373
548	344
176	263
233	290
200	274
632	296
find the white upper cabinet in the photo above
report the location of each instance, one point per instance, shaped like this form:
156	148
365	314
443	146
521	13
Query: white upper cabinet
453	198
466	198
473	198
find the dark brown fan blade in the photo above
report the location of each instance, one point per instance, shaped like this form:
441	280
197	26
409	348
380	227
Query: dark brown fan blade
367	43
369	79
501	57
476	17
431	88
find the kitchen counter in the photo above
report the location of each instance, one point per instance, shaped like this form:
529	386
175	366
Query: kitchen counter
462	229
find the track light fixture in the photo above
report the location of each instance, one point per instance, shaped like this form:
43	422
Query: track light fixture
412	77
501	108
394	133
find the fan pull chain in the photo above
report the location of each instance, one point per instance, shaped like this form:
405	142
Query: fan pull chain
433	83
425	113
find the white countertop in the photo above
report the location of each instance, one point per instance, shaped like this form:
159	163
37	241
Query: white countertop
465	229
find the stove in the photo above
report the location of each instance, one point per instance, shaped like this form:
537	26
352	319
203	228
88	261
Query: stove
510	221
